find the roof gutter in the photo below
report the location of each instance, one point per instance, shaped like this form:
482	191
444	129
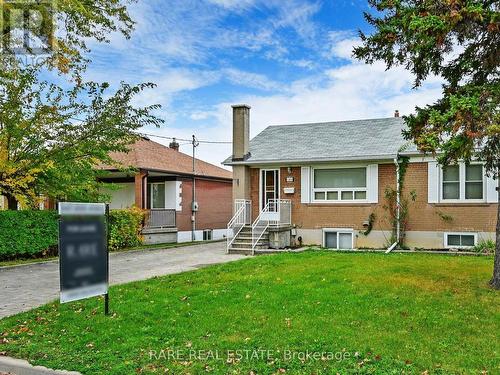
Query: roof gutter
311	160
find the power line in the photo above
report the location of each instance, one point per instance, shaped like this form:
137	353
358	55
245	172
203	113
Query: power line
188	141
184	139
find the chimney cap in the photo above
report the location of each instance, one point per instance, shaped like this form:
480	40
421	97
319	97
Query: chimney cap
241	106
396	113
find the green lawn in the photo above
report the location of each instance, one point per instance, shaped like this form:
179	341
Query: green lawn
368	313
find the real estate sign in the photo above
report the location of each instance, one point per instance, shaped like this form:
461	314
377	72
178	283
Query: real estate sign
83	253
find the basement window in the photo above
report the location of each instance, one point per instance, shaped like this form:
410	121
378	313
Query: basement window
460	240
338	238
208	234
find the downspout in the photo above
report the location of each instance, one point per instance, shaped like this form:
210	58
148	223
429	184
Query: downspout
398	225
144	184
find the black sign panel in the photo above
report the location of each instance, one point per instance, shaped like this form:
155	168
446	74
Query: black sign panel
83	257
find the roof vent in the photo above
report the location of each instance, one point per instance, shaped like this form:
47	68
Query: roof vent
396	113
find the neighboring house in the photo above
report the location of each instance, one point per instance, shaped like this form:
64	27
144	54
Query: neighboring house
163	185
321	182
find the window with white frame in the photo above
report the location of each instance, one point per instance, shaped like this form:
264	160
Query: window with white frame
457	240
341	184
474	181
158	195
463	182
337	239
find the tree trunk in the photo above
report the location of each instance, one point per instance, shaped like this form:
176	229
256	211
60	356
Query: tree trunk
495	280
11	202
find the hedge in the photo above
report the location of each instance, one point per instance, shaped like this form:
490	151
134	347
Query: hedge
34	234
125	228
27	234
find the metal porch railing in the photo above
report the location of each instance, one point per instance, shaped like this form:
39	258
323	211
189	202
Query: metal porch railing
242	216
160	218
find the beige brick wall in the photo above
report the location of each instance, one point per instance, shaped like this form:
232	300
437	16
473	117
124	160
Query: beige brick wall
426	217
422	216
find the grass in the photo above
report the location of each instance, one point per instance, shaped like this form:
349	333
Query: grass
369	313
171	245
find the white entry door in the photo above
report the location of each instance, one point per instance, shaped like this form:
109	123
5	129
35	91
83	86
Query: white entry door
269	191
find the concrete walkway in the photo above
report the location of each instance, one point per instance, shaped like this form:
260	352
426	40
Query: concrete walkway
13	366
25	287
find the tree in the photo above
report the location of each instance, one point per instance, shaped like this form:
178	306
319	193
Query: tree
52	139
63	27
458	40
53	136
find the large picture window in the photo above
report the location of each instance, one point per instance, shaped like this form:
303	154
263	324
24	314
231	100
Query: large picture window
343	184
463	182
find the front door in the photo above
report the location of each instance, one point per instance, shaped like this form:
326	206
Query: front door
269	191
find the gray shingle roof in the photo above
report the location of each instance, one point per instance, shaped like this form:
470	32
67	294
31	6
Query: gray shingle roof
340	140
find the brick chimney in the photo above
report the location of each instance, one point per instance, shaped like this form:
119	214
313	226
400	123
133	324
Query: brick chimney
396	113
241	152
174	145
241	131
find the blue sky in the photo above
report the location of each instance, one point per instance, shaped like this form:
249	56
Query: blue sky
288	59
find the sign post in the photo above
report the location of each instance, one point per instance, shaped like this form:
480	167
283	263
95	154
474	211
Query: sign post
83	251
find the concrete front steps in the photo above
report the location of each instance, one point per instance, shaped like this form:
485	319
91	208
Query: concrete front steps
243	242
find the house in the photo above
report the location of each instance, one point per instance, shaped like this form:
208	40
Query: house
325	184
162	183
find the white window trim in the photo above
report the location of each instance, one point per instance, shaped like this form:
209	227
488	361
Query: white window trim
151	195
339	190
462	198
338	230
445	239
260	184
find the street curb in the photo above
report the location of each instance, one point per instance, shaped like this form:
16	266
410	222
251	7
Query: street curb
22	367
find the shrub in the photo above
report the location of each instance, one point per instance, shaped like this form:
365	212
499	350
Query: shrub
125	228
34	234
485	247
27	234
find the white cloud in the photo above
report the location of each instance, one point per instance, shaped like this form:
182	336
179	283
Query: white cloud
353	91
185	45
342	43
199	115
233	4
248	79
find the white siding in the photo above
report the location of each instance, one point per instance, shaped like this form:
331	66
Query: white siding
432	182
124	197
491	193
372	183
178	195
171	195
305	184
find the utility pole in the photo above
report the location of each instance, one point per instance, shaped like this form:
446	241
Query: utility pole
194	204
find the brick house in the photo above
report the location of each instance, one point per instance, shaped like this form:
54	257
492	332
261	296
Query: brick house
321	182
162	183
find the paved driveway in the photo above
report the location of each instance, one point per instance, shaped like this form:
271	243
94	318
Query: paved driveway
32	285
